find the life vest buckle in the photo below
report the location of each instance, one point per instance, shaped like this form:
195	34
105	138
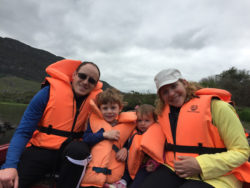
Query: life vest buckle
49	129
193	149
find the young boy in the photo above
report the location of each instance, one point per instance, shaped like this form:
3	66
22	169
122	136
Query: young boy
107	132
139	164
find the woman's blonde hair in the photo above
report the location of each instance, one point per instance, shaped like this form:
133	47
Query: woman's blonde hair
110	95
191	88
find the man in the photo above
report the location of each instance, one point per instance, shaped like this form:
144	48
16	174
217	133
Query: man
55	118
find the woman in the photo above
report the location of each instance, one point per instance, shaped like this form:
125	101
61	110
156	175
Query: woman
205	144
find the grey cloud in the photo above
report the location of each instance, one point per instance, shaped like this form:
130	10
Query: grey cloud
189	40
19	19
133	40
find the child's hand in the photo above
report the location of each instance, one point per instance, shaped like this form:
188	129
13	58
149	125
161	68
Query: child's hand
112	135
121	155
151	165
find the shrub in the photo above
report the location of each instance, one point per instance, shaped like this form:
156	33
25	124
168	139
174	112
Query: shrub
244	114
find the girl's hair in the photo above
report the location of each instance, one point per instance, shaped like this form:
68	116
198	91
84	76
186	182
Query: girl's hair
146	109
192	87
110	95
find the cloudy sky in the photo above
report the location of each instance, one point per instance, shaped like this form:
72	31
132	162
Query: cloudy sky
132	40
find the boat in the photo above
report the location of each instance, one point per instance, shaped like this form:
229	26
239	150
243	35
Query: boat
48	182
45	183
3	152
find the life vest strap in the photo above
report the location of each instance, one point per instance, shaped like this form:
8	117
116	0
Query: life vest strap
115	148
49	130
193	149
131	139
105	171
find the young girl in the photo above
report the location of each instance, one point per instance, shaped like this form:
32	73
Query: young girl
107	132
204	144
139	164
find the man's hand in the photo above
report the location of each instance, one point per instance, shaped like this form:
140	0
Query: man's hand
121	155
8	178
112	135
187	167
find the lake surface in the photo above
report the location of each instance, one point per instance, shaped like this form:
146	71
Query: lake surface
11	113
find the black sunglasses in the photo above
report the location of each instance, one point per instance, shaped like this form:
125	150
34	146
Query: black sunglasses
83	76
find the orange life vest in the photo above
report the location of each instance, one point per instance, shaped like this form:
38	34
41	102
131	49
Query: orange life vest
148	143
135	154
224	95
195	133
60	111
153	143
104	167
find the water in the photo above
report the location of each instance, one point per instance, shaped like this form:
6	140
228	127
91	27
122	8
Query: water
11	113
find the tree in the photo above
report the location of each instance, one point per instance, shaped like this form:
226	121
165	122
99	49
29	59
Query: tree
211	81
134	98
235	81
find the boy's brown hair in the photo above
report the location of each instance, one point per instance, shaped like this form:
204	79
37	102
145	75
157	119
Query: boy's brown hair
110	95
146	109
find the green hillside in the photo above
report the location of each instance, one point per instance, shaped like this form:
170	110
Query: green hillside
14	89
14	84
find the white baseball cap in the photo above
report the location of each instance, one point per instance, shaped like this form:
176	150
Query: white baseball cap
167	76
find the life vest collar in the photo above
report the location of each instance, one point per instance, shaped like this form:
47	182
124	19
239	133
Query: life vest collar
64	70
221	93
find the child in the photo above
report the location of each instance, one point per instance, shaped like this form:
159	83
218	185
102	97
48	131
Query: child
107	132
139	164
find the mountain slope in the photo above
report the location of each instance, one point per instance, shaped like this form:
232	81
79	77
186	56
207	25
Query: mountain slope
22	69
21	60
